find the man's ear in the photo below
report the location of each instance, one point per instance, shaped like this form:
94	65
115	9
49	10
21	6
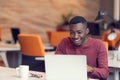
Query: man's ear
87	31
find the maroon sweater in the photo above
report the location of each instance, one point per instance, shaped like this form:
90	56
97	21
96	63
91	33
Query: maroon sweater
95	51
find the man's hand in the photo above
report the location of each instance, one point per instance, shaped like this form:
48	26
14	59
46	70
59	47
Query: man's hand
90	69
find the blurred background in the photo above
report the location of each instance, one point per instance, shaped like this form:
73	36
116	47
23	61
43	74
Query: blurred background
39	16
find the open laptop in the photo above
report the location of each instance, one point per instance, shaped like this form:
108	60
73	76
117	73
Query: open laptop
15	32
66	67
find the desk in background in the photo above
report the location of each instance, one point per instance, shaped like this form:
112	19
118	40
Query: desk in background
7	47
114	62
46	53
4	47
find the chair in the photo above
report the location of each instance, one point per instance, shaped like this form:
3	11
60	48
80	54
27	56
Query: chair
0	34
111	43
31	47
49	35
56	37
106	45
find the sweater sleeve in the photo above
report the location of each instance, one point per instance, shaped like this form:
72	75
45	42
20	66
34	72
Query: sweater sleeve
102	70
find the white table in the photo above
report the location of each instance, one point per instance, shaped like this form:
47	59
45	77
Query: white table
48	47
4	47
114	62
46	53
10	74
7	47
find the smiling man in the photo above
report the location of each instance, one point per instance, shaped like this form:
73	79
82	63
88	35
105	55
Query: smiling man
79	43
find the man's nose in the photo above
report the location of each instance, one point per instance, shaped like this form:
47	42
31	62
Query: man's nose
76	35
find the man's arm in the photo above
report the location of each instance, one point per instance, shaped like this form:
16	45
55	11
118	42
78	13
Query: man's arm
102	70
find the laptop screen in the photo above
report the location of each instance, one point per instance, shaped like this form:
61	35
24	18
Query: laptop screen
15	32
65	67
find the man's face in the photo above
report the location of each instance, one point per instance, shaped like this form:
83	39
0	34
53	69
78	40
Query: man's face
78	33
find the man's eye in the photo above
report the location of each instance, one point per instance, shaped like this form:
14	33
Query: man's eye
79	32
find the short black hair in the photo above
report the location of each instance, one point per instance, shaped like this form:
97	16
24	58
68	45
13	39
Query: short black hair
78	19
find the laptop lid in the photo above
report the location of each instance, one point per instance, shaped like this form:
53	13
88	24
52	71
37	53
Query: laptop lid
15	32
66	67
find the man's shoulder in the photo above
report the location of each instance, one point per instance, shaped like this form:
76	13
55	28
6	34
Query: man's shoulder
65	42
95	40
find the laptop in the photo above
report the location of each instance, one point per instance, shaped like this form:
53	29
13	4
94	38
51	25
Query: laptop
66	67
15	32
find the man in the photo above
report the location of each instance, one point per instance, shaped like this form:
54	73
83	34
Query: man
80	44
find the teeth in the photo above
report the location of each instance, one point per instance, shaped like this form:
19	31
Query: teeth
76	40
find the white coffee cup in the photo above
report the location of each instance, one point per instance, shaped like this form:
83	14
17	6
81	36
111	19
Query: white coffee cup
23	72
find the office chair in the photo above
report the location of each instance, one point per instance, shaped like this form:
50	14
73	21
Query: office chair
111	43
56	37
49	35
0	34
106	45
31	47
